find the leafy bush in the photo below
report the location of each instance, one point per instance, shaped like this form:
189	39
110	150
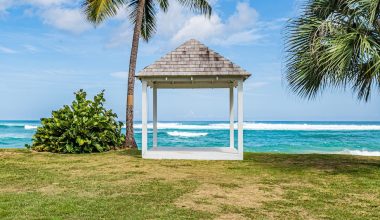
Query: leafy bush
84	127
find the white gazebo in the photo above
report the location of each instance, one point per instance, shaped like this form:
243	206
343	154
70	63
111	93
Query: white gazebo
193	65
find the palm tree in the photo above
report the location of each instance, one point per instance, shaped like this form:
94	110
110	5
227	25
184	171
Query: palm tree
143	15
334	43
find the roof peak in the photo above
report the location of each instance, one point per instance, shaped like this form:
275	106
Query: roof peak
193	58
193	39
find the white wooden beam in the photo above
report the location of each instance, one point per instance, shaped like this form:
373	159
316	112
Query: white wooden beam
240	117
192	85
179	78
144	118
154	117
232	117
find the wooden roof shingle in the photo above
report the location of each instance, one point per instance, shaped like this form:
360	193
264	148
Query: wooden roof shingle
193	59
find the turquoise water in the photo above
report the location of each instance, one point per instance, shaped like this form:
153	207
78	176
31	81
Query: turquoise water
361	138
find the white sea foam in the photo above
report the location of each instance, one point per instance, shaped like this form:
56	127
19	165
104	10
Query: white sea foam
185	134
30	127
311	127
360	152
18	125
267	126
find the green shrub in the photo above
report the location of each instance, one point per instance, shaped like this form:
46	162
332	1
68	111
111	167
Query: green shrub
84	127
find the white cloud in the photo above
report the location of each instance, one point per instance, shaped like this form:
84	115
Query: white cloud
4	5
46	3
121	36
170	22
122	14
201	28
61	14
7	50
240	38
244	17
242	27
179	24
71	20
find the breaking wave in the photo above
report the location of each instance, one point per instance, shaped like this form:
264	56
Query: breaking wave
18	125
30	127
267	126
186	134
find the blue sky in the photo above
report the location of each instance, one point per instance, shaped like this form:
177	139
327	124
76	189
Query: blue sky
48	51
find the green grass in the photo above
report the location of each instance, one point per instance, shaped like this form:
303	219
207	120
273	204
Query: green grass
120	185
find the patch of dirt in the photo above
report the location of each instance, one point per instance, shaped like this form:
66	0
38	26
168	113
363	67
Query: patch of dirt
11	190
213	197
52	189
230	216
6	154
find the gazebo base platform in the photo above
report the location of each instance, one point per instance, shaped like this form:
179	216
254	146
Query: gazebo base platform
193	153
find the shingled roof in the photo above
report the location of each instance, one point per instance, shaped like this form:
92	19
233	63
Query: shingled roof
193	59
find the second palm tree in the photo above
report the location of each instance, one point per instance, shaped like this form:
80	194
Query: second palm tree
143	15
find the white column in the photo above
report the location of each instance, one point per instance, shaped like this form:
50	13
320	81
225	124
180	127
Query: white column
240	116
144	118
232	116
154	116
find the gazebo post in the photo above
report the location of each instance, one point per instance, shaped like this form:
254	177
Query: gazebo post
232	116
240	117
144	118
154	116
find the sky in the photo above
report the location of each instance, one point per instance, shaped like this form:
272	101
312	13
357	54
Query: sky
48	51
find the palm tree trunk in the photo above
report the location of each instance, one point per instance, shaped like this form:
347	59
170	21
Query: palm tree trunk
130	139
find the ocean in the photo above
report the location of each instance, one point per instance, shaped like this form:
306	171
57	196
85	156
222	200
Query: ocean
357	138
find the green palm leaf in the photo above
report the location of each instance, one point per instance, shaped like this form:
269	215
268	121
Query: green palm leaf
198	6
334	43
148	25
98	10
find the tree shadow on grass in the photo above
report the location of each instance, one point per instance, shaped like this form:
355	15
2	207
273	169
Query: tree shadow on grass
130	152
334	164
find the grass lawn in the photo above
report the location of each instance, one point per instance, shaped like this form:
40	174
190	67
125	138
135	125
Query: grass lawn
121	185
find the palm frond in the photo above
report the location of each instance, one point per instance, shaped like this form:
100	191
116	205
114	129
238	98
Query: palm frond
198	6
164	5
334	43
368	8
97	11
148	25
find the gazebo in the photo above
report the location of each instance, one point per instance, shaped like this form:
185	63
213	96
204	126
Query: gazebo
193	66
